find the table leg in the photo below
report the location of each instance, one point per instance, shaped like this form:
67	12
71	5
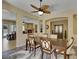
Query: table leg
55	53
65	54
42	55
26	44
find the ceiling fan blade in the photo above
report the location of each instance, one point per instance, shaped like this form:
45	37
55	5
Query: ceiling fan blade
44	7
48	12
34	11
34	7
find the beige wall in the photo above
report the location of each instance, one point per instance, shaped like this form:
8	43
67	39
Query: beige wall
75	24
75	29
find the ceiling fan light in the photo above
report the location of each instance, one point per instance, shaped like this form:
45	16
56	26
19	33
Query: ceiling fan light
40	12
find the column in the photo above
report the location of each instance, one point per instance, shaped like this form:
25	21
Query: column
70	27
38	27
70	30
20	37
43	26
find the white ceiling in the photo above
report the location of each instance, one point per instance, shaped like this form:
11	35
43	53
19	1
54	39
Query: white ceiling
7	15
54	5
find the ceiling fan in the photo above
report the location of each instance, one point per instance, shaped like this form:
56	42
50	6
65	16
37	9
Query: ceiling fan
42	9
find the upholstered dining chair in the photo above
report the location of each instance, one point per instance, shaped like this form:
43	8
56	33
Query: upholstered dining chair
33	44
52	36
27	40
46	47
41	34
68	49
44	36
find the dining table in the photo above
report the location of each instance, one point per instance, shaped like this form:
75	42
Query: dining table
60	44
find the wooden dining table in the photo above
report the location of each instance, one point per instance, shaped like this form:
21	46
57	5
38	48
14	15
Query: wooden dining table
56	43
60	45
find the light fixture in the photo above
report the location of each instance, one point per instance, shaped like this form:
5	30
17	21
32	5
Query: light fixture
40	13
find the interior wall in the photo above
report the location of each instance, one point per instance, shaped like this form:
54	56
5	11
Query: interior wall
74	24
75	29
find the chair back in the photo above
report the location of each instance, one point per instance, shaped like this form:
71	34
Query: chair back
44	36
52	36
30	35
75	41
31	41
70	43
46	44
35	34
40	34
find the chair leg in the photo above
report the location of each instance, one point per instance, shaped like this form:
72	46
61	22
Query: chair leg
50	56
26	44
55	54
68	56
34	51
30	49
42	55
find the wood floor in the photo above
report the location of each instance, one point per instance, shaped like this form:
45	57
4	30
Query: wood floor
8	44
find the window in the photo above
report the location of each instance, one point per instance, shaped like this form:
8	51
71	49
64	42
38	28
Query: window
12	28
4	30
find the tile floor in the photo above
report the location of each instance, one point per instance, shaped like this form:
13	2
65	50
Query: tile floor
23	54
11	52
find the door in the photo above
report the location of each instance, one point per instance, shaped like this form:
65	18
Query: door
58	29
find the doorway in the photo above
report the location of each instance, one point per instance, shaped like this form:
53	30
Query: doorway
58	29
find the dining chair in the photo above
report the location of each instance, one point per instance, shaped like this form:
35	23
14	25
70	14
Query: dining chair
27	40
37	37
46	47
35	34
33	45
44	36
68	49
52	36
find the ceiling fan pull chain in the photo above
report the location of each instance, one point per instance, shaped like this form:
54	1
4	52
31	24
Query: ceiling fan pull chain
40	0
40	3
